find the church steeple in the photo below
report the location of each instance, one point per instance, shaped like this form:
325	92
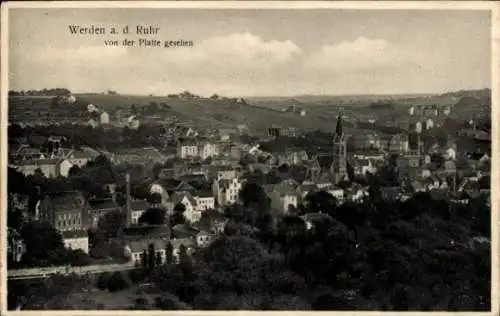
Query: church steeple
339	128
339	165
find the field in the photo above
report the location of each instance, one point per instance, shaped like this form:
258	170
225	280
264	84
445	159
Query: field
259	113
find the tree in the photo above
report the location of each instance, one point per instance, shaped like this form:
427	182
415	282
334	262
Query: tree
142	303
153	216
151	256
254	194
16	182
178	216
183	255
168	302
74	171
154	198
43	244
320	202
117	282
144	259
79	258
158	259
169	253
112	222
102	282
15	219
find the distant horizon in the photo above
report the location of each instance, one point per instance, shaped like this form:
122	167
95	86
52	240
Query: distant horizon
288	96
269	96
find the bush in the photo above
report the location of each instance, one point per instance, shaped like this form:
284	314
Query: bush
79	258
136	276
117	282
142	303
102	283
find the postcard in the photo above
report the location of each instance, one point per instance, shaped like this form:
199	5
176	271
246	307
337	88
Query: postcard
251	156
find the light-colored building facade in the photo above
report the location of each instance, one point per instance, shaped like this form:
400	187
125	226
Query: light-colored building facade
226	191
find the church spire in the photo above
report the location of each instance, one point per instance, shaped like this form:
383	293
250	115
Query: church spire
338	130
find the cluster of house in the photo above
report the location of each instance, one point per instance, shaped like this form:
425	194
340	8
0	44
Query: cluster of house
429	110
56	162
282	131
202	185
295	110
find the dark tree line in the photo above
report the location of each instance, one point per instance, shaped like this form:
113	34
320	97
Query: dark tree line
43	92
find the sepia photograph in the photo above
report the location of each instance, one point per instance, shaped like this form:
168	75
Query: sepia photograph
248	156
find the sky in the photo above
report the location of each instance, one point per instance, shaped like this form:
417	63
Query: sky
254	52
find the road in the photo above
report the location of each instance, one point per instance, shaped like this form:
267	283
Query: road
35	273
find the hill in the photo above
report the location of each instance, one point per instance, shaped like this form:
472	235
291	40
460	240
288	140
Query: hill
260	113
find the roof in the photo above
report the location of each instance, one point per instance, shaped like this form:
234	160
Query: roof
75	234
67	199
205	194
281	188
178	197
183	186
40	162
188	142
85	152
312	217
204	233
139	205
145	151
183	231
177	242
143	244
149	231
28	150
168	184
475	155
309	187
103	204
193	177
194	165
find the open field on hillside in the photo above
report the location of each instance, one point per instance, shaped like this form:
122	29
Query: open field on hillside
260	113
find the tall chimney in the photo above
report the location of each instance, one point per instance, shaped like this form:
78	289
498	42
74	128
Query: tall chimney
127	204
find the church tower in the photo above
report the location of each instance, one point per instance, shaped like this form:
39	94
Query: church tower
339	165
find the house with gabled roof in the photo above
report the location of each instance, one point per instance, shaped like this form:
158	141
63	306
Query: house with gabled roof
187	148
137	249
283	196
205	200
226	191
80	157
191	213
50	168
76	240
65	211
